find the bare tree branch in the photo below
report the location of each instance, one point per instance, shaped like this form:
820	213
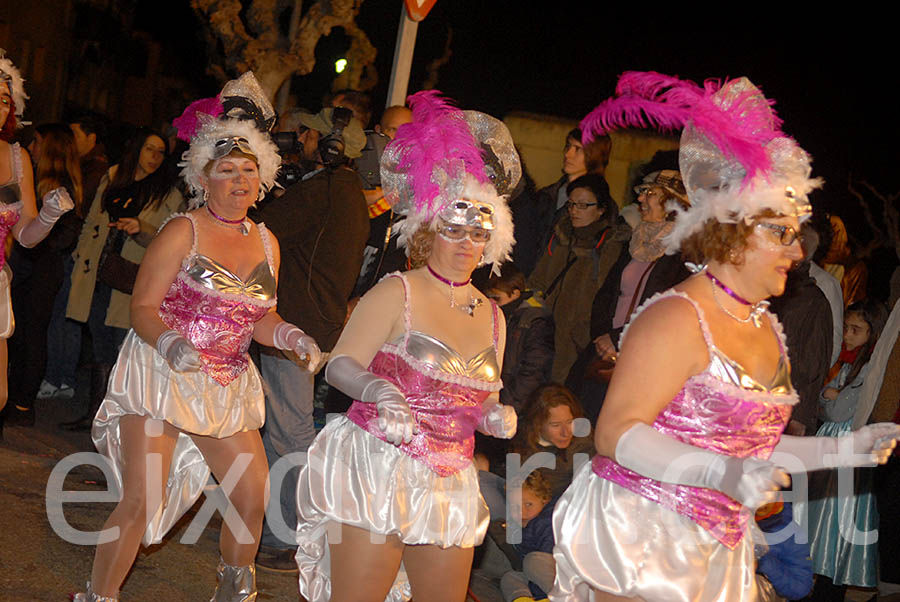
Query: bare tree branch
260	45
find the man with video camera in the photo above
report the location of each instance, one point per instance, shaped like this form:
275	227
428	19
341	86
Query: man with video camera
322	226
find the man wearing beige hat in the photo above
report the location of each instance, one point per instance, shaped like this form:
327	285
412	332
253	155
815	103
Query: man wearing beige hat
322	225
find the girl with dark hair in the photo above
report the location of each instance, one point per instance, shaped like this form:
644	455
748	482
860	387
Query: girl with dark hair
132	201
837	560
18	210
38	272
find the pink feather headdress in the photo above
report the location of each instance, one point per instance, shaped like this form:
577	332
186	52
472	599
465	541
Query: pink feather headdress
734	157
434	160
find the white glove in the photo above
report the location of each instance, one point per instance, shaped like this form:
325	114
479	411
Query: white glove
499	421
394	416
180	354
751	481
868	446
288	337
54	204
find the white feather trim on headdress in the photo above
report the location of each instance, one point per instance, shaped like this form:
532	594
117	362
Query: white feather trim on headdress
497	250
16	85
200	153
718	190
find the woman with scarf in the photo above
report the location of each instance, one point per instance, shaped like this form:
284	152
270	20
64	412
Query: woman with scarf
643	269
584	247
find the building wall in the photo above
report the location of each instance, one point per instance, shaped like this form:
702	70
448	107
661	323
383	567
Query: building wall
541	139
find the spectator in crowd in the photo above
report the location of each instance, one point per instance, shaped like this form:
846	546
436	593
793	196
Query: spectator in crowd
641	271
359	103
805	316
132	201
90	131
19	215
64	336
812	241
879	401
529	337
38	272
784	571
535	569
838	560
584	247
536	216
322	225
392	118
382	255
840	262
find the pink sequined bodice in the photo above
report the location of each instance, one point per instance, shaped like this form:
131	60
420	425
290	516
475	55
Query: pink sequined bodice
716	411
215	310
443	391
10	198
8	218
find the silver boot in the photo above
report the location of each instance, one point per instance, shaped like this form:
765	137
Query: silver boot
90	596
236	583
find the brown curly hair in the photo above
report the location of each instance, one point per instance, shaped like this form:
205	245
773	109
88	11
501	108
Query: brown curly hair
419	246
537	411
722	242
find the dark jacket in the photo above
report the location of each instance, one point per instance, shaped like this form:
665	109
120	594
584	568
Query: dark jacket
805	315
592	251
534	217
322	225
528	356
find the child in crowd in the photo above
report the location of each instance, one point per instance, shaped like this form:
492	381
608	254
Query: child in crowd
784	571
838	559
529	337
535	569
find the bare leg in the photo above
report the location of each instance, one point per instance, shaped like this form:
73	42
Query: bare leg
362	571
438	574
247	498
147	448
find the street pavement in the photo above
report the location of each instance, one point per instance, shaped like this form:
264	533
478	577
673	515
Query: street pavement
38	565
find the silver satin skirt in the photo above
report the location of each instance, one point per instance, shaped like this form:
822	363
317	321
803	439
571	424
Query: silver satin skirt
611	539
356	479
142	383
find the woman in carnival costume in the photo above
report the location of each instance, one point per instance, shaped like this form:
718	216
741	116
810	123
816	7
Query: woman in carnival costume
393	480
19	215
685	457
184	387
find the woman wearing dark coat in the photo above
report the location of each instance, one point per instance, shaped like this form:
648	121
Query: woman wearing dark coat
585	245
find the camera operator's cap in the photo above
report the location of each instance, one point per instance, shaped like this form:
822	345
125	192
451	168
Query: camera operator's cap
353	135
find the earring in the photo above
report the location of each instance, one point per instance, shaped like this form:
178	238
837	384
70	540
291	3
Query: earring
205	195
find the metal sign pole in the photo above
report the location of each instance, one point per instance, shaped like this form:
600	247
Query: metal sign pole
403	53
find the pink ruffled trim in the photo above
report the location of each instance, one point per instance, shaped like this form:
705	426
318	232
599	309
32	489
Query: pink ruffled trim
18	170
456	379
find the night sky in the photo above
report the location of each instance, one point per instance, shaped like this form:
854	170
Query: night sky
832	75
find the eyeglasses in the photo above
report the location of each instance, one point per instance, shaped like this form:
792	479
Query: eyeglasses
786	234
582	206
454	233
